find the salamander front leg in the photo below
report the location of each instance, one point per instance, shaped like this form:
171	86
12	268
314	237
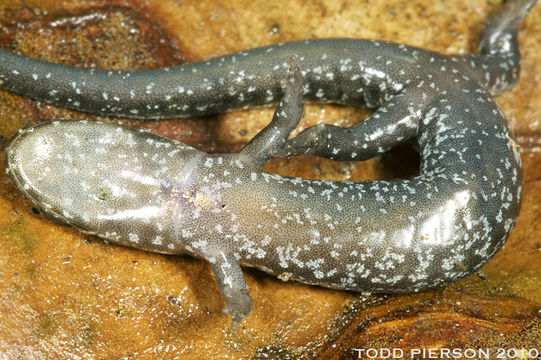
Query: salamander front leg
393	123
231	282
288	113
286	118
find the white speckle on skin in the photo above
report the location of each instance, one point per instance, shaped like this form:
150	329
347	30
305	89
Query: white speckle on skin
404	234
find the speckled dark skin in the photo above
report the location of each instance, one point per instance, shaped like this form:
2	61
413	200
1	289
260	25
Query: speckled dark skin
152	193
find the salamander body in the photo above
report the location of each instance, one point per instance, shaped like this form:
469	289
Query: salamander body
145	191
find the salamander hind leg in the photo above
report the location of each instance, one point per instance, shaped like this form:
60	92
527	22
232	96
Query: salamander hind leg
233	287
497	65
391	124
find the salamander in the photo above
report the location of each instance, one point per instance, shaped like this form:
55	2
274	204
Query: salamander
141	190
